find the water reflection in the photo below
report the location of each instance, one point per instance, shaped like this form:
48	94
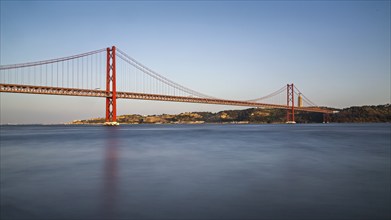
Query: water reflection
110	174
200	172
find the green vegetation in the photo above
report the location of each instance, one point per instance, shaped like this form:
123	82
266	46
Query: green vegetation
379	113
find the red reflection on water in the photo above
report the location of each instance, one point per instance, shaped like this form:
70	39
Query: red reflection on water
110	175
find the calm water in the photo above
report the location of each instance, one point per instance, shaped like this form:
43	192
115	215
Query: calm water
323	171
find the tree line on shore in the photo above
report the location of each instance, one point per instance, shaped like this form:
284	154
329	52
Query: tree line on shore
356	114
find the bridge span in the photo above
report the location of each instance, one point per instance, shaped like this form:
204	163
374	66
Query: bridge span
81	75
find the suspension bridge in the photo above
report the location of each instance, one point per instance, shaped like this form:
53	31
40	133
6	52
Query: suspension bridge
112	74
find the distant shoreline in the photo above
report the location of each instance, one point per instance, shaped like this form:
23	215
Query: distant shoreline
360	114
102	124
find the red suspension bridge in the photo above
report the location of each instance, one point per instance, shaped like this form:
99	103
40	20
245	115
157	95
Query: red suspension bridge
125	78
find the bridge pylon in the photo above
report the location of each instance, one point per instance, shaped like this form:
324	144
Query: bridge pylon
111	88
290	113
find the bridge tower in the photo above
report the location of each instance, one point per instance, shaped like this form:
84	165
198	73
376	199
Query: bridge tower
290	113
111	88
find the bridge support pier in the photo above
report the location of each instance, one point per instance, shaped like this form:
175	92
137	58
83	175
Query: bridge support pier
326	118
111	89
290	113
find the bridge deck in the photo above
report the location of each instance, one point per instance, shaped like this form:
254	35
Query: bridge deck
43	90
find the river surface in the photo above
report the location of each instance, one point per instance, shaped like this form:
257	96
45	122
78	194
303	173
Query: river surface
316	171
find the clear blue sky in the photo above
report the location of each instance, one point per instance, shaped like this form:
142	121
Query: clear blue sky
336	52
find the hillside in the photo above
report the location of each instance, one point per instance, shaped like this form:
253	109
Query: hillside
379	113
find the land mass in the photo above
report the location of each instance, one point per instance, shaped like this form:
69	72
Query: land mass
356	114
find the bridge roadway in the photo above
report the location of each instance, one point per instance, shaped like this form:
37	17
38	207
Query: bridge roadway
44	90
